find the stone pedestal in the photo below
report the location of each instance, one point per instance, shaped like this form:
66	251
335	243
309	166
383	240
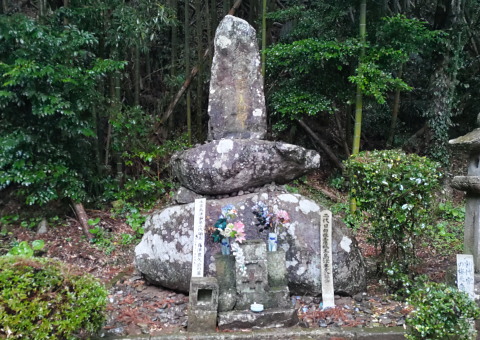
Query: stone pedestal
227	293
263	281
203	304
277	270
271	318
253	285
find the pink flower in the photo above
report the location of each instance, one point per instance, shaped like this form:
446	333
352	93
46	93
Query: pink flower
283	217
239	229
240	238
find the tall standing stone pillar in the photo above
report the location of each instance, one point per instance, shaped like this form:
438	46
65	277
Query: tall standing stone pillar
236	104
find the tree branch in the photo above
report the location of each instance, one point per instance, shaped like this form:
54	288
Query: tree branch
322	144
82	218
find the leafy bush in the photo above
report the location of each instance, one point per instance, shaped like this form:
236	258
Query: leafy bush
49	82
43	299
25	249
441	312
394	194
447	233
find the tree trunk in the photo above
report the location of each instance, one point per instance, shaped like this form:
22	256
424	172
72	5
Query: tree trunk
136	77
199	97
264	35
187	68
396	108
341	131
41	8
448	17
213	14
82	218
173	65
252	15
235	6
173	5
66	4
226	7
359	94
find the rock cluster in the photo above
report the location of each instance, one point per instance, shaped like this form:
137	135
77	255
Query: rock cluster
234	163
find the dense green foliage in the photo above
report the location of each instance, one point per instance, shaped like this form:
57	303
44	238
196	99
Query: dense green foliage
43	299
300	91
24	249
49	81
394	192
421	47
441	312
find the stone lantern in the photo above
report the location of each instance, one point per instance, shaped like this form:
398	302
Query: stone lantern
471	184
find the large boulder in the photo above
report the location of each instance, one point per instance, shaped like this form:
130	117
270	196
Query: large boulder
230	165
164	255
236	104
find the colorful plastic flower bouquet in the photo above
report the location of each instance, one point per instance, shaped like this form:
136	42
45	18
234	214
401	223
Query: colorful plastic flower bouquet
226	229
271	221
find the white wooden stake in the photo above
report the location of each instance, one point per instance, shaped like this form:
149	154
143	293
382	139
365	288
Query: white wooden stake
198	238
328	296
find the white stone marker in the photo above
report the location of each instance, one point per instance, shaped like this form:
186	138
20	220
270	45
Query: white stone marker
465	274
326	259
198	238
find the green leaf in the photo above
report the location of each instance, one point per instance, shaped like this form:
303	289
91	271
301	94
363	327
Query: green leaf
38	244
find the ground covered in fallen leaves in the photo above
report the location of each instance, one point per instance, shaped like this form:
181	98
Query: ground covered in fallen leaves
135	307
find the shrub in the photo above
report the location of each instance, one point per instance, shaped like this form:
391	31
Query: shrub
43	299
441	312
394	194
25	249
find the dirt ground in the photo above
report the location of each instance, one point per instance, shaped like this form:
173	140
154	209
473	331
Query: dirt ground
135	307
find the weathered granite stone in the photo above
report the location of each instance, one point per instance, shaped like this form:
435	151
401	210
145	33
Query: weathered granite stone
202	321
42	227
277	272
272	318
470	141
184	195
236	103
164	255
230	165
225	267
470	184
252	286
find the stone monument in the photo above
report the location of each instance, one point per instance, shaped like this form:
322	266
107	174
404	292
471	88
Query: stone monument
471	184
238	167
236	104
262	281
